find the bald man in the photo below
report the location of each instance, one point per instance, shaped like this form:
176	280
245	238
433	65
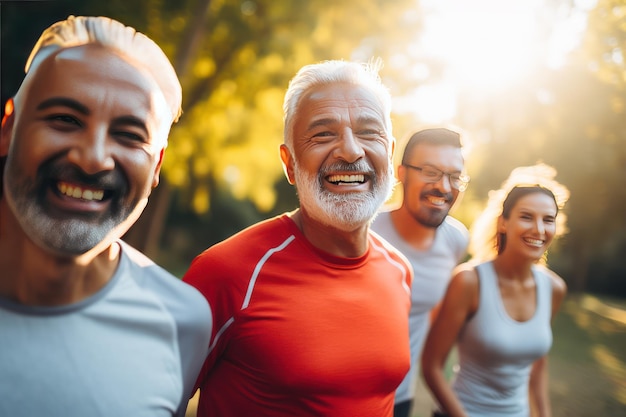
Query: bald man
88	325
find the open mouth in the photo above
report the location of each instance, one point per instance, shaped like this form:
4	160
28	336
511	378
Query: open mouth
534	242
346	179
82	192
436	201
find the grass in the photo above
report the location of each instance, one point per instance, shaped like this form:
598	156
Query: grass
588	358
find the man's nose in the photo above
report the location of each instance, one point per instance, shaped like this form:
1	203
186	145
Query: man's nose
349	148
444	183
91	151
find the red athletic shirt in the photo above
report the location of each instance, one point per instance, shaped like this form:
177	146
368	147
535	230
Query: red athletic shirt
300	332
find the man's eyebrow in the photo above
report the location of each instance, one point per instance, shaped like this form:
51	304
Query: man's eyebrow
454	171
131	121
81	108
362	119
321	122
65	102
366	118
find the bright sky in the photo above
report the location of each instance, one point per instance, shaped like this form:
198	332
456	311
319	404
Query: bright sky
486	45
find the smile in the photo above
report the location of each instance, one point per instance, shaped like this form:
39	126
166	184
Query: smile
436	201
534	242
81	193
346	179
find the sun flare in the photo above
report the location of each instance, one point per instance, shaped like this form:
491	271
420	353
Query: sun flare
484	47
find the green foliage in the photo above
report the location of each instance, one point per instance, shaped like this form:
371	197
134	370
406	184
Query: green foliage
573	118
235	59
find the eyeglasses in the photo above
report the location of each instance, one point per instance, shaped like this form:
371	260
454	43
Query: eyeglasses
431	174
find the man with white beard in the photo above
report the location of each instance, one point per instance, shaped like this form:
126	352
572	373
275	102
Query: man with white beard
311	308
88	325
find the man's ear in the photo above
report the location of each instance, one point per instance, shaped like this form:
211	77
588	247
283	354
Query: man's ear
401	173
287	158
6	130
157	169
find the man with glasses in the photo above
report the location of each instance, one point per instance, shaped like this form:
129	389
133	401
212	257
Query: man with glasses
432	176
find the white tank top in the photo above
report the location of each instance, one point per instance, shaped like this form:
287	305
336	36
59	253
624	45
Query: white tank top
496	352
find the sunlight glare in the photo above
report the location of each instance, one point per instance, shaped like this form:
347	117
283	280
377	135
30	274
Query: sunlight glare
482	45
485	47
569	25
487	43
434	103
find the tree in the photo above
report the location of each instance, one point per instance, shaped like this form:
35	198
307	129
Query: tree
571	118
234	60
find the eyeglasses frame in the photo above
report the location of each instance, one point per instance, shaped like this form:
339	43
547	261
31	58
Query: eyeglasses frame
463	178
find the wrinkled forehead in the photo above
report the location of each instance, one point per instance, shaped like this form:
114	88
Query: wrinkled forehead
344	94
340	102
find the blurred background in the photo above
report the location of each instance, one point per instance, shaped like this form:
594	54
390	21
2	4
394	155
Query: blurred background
526	81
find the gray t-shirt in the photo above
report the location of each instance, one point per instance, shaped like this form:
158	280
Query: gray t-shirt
134	348
432	271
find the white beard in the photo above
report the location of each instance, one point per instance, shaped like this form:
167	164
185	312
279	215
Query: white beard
346	211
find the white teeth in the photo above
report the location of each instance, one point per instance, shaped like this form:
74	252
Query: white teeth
77	192
534	242
347	178
437	201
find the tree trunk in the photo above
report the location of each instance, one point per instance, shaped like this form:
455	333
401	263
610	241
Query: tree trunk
145	234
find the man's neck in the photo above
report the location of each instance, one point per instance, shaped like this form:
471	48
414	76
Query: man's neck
345	244
33	276
411	231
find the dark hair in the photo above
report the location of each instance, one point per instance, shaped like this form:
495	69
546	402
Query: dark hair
433	136
511	199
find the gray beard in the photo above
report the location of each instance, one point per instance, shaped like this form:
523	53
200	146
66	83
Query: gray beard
345	212
67	236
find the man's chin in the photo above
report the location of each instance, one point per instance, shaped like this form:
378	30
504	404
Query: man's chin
432	223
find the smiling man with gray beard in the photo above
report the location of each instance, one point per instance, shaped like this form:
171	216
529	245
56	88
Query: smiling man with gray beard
311	308
88	325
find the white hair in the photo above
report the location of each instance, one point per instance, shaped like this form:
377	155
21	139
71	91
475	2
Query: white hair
330	72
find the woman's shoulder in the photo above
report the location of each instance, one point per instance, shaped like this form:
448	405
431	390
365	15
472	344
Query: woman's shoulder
556	282
465	274
558	286
465	278
462	294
